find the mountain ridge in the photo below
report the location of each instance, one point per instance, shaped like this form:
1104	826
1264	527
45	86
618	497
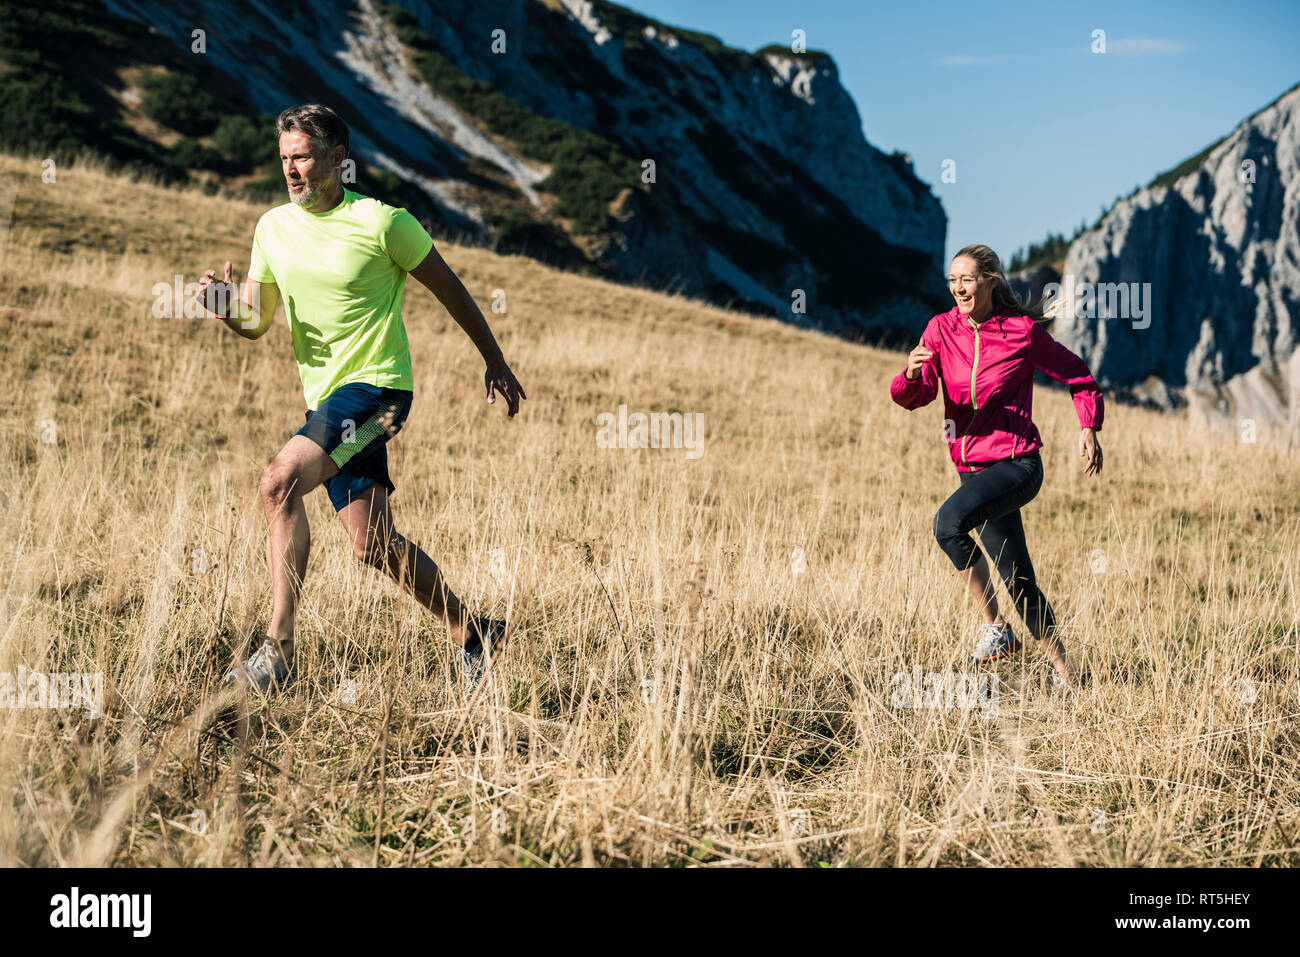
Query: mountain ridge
764	192
1218	247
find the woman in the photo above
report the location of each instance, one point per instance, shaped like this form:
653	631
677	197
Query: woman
986	350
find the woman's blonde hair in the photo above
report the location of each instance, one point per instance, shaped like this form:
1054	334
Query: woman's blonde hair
1004	299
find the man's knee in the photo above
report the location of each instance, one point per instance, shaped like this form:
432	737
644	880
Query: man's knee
372	547
278	485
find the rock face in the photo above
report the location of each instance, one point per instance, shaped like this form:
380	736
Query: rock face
1220	250
765	193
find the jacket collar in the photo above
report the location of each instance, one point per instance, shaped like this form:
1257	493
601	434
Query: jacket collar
957	319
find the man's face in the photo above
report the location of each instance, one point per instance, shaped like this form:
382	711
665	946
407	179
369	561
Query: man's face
307	171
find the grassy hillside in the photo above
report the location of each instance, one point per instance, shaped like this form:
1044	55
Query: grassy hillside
679	692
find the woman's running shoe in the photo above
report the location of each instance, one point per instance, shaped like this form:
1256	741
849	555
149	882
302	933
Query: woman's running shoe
992	643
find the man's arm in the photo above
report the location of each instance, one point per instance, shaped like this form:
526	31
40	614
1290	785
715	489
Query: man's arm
252	315
436	276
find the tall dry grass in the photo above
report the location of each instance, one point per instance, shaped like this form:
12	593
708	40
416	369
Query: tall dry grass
676	692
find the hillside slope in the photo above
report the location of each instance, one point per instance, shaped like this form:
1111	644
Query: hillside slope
706	648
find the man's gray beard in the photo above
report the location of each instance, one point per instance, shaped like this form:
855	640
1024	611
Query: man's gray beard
308	196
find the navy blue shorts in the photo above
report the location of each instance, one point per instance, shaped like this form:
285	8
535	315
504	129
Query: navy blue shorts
353	425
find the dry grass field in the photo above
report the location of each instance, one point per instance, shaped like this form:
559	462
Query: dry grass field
685	687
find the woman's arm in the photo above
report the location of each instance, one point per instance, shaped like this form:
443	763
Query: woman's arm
914	392
1050	357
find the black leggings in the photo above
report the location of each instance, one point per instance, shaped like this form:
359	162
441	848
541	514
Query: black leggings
989	501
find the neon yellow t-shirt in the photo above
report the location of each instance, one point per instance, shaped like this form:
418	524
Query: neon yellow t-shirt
341	276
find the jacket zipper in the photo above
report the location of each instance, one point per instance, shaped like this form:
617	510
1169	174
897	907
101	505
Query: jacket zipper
975	364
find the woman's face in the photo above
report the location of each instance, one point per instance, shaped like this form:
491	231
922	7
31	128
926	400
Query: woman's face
973	292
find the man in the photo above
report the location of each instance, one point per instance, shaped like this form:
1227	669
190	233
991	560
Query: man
339	260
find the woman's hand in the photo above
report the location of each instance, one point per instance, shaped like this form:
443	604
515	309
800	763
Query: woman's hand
919	357
1090	452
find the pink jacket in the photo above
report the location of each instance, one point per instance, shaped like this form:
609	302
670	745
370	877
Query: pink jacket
988	384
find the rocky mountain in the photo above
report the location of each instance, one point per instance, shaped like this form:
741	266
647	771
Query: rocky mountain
1210	253
584	133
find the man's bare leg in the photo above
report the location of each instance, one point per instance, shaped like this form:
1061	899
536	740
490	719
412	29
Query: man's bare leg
300	466
369	525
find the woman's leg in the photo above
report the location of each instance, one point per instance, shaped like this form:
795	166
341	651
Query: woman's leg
990	493
1004	539
981	589
987	494
969	505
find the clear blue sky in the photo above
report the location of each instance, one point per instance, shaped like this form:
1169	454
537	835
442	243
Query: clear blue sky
1043	131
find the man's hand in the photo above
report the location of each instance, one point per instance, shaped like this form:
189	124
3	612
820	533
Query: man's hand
250	316
1090	452
499	378
218	298
919	357
436	276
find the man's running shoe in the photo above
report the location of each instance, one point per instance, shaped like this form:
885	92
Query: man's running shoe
1066	688
992	643
267	669
486	637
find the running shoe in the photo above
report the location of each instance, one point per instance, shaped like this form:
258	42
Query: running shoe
1062	687
267	669
992	643
485	637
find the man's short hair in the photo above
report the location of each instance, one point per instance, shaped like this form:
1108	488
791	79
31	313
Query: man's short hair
320	123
